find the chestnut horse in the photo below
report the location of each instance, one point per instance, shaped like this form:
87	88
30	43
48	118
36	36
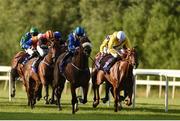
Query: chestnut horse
46	66
76	72
120	77
31	82
16	67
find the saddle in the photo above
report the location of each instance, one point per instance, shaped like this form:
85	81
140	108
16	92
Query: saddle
104	60
108	59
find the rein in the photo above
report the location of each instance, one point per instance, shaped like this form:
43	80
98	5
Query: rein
79	69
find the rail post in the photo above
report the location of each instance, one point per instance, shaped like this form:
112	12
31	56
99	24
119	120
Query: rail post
166	94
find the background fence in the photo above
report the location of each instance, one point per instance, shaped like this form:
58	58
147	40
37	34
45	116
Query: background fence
165	77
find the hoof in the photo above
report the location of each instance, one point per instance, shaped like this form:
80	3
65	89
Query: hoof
12	95
52	101
38	98
82	101
47	102
104	100
76	109
95	104
60	109
115	110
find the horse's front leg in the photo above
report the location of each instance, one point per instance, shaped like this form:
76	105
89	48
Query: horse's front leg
51	100
13	74
38	87
85	92
74	99
47	93
96	83
96	96
58	92
115	99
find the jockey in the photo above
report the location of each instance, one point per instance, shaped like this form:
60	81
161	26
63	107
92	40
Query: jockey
42	46
73	43
103	51
117	39
28	43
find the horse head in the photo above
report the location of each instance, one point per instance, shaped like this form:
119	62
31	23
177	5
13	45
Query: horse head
132	57
56	48
85	46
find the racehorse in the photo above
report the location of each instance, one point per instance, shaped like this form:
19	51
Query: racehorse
46	67
15	72
76	72
120	77
31	82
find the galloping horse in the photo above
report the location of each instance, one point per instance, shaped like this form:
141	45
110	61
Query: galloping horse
31	82
46	66
16	67
76	72
120	77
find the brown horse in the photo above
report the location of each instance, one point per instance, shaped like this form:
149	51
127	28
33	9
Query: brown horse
31	82
16	67
120	77
76	72
46	66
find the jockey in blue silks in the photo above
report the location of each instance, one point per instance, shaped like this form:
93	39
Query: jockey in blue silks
73	43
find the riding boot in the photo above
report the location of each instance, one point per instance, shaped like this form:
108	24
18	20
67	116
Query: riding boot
36	63
98	62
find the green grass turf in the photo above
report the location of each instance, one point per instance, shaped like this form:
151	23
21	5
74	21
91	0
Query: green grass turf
146	108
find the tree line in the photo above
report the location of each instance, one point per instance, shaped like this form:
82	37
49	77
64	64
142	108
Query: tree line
151	25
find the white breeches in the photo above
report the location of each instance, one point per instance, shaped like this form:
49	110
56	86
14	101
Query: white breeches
41	51
29	51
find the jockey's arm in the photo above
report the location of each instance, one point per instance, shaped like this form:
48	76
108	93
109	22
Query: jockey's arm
111	43
104	44
71	46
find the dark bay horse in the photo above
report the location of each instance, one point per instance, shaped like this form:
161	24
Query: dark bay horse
16	67
120	77
76	72
46	66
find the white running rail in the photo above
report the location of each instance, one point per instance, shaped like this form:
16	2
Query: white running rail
148	72
6	76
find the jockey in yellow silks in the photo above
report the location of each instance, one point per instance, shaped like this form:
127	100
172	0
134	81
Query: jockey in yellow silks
117	39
